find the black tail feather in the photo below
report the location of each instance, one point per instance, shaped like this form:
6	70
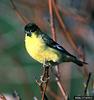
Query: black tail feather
79	63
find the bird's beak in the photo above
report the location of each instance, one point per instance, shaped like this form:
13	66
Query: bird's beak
28	33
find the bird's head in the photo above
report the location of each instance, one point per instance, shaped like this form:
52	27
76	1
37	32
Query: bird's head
30	29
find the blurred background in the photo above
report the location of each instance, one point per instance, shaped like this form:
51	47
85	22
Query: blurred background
18	71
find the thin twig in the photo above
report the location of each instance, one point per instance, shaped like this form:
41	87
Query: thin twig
42	89
45	76
59	83
61	88
52	20
22	18
43	83
53	94
68	35
87	83
54	38
74	15
82	55
44	97
65	30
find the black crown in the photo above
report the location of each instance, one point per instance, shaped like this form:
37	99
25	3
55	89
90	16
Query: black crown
31	27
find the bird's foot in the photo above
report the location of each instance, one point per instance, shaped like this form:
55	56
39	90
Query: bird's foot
46	63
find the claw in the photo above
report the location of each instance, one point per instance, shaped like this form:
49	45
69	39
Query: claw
46	63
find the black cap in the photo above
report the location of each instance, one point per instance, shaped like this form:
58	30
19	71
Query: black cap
31	27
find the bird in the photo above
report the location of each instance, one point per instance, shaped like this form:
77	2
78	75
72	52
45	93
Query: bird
43	48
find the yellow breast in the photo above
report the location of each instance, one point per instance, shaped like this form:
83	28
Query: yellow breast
36	48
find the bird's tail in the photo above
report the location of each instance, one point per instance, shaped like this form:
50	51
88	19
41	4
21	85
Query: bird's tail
78	62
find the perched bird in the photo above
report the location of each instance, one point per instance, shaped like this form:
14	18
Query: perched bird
42	48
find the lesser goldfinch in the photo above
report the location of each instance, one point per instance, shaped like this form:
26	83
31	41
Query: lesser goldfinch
42	48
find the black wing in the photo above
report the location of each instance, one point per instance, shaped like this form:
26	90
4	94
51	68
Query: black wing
51	43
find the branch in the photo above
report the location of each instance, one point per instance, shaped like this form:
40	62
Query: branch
87	83
45	77
43	83
82	56
53	94
22	18
68	35
54	38
52	20
59	83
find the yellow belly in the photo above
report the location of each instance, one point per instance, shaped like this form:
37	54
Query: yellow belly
39	51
